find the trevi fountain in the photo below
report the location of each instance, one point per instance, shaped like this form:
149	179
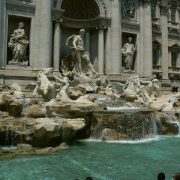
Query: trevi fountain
80	124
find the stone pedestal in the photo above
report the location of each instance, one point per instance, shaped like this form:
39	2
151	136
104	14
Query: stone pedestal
57	41
101	52
116	38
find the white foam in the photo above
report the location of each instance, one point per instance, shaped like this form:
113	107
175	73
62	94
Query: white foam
145	140
121	108
140	141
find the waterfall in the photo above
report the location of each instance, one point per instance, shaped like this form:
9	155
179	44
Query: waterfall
10	136
154	123
173	119
123	125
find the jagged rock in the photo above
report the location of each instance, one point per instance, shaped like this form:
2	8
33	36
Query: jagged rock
52	131
109	135
39	132
166	124
15	108
35	111
11	105
76	109
70	128
25	148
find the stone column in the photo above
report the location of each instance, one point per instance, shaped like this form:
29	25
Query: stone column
169	59
140	60
147	39
2	33
116	38
164	30
87	41
101	51
44	38
107	57
57	44
178	60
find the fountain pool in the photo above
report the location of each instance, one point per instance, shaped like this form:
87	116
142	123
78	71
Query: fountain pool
103	161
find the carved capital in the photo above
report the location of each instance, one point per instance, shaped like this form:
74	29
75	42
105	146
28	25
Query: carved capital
163	9
147	1
57	15
178	8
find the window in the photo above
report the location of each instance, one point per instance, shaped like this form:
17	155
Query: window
173	14
156	55
174	56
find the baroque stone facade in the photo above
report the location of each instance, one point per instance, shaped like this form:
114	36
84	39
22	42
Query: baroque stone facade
153	25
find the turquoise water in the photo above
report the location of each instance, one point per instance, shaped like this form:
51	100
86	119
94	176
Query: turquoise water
111	161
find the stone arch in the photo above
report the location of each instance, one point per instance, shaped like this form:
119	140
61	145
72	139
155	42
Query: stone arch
101	4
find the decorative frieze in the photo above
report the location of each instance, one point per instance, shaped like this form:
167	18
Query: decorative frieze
174	32
21	8
128	9
98	23
130	26
163	9
20	1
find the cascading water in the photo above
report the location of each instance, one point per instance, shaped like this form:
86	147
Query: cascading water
173	119
123	125
10	136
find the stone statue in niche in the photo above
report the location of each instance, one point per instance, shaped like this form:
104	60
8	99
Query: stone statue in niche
18	45
128	51
79	57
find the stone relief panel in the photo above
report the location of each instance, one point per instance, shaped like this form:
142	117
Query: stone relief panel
18	40
128	9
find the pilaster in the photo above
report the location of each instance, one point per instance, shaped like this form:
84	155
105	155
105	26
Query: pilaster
57	18
164	31
101	51
57	42
147	39
2	32
116	59
43	34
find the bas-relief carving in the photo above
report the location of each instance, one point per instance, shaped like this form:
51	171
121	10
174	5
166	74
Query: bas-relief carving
163	9
21	8
18	45
128	51
128	9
